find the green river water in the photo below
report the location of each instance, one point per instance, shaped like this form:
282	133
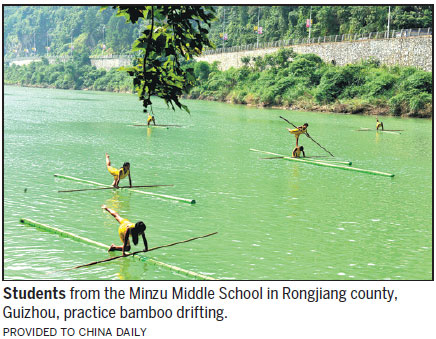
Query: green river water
276	219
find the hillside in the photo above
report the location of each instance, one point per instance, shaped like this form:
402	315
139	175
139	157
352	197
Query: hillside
42	30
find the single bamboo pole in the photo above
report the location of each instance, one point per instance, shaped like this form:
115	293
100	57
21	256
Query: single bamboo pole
137	252
189	201
108	188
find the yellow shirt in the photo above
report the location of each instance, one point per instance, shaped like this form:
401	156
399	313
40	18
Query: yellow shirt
297	131
118	172
122	230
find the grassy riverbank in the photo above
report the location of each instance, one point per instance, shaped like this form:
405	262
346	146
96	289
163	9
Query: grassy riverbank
304	82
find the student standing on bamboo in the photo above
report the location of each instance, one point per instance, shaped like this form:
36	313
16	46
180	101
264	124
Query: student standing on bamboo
150	119
126	230
379	124
298	131
118	174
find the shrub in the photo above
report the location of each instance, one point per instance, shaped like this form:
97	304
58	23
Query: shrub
294	93
246	60
419	101
267	97
331	86
302	67
310	57
420	80
202	70
371	62
379	85
282	85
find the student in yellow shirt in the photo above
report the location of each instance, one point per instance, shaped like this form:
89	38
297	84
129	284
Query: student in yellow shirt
298	131
126	230
379	124
118	174
150	118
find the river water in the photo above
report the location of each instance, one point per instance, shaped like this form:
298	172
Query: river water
276	219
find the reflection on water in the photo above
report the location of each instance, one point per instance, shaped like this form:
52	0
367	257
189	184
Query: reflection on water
275	219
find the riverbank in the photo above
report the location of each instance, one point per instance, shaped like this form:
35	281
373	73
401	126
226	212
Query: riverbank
74	89
340	108
282	80
304	82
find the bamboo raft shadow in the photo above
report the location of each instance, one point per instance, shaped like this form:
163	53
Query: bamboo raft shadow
138	254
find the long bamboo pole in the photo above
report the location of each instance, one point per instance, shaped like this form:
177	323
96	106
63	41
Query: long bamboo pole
311	159
157	125
84	240
307	134
189	201
380	130
320	163
137	252
108	188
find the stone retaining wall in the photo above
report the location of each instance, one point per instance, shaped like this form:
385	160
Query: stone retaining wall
406	51
108	63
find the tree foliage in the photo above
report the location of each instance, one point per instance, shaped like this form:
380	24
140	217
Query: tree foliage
289	22
171	33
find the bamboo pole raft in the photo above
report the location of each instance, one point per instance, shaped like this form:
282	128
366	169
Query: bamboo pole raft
140	256
324	163
165	196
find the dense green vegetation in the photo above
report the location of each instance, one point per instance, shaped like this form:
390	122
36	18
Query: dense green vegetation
305	82
102	32
286	22
69	75
29	30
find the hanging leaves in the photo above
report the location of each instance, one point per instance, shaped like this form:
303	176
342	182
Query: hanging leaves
172	33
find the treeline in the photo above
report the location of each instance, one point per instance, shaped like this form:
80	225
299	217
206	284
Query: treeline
239	25
55	30
305	82
69	75
59	30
